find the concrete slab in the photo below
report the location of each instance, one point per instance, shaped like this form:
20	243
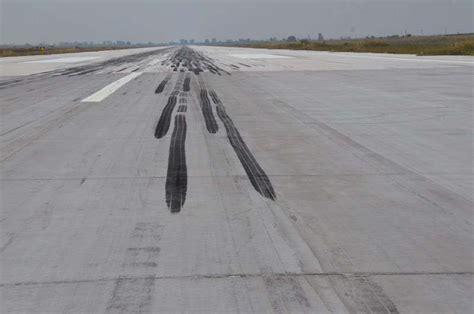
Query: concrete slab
369	157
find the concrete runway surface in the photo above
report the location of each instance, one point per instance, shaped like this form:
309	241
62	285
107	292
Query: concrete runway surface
212	180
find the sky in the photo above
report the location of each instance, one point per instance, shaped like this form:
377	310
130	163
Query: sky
52	21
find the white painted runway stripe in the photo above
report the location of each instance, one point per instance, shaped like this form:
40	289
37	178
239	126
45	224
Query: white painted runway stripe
111	88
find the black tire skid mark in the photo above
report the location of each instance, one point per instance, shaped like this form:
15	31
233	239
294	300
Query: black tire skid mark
182	108
164	122
211	124
364	295
186	84
10	82
177	176
162	85
193	61
214	97
27	79
255	173
115	62
82	72
131	295
85	69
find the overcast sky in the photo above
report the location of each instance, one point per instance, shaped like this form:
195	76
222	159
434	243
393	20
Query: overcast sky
36	21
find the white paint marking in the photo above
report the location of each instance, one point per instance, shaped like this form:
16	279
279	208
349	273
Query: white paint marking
258	56
64	60
111	88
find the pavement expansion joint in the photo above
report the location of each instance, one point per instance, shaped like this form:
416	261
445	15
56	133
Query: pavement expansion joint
241	275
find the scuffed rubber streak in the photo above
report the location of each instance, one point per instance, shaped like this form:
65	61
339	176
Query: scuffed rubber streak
255	173
187	59
206	108
164	123
162	85
177	177
182	108
214	97
186	84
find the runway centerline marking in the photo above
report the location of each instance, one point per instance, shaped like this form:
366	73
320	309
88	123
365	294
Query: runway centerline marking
111	88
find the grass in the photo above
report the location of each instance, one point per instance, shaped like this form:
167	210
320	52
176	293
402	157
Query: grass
419	45
15	52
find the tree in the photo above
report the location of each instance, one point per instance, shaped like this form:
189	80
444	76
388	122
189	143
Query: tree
291	38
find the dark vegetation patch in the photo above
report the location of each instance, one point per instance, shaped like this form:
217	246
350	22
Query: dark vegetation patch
32	51
420	45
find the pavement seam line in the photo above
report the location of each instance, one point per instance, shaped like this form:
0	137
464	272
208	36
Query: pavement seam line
242	275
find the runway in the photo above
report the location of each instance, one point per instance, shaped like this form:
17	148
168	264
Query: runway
213	179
